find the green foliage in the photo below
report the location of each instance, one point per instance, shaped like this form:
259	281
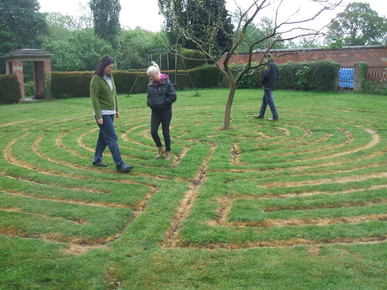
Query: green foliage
29	88
191	58
256	32
303	77
21	26
70	84
319	76
357	25
76	84
60	25
362	74
81	50
251	80
75	47
9	89
208	22
374	87
130	82
106	15
138	45
207	76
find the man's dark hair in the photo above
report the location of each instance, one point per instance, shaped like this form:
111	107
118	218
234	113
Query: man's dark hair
105	61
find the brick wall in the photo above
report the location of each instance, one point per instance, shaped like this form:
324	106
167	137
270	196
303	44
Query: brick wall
373	56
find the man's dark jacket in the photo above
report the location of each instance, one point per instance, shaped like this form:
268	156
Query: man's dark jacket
161	94
270	75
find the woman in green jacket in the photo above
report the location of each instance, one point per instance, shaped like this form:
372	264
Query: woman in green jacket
104	99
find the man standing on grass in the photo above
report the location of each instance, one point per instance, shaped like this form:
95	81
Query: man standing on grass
269	76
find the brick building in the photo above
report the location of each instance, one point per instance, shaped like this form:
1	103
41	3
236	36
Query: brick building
41	72
374	56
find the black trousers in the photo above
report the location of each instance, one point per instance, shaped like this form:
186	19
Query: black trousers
164	118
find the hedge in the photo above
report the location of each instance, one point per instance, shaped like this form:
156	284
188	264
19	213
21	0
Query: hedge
321	76
318	76
374	87
130	82
9	89
76	84
186	59
70	84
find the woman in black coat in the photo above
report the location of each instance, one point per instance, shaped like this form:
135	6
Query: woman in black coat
161	95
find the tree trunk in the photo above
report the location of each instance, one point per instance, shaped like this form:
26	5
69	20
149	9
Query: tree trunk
230	100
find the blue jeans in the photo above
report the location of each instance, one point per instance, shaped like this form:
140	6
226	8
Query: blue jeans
107	138
268	100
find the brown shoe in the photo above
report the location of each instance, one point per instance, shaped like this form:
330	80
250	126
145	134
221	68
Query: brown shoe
160	154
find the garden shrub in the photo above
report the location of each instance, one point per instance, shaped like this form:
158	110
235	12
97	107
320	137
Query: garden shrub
250	80
321	76
192	58
70	84
361	76
318	76
207	76
9	89
130	82
29	88
374	87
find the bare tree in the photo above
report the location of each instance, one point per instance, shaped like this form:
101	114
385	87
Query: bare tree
291	28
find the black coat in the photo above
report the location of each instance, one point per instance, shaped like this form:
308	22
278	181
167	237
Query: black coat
161	95
270	75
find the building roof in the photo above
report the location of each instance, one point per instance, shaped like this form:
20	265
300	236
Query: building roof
28	53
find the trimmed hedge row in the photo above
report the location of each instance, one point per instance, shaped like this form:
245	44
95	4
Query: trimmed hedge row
70	84
9	89
318	76
321	76
76	84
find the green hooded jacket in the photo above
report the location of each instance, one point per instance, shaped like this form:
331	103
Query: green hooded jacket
102	97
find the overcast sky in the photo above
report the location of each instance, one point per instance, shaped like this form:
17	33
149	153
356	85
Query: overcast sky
145	13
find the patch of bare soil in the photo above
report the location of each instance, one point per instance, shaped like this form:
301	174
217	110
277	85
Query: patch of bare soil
339	180
236	155
75	249
184	209
313	221
296	242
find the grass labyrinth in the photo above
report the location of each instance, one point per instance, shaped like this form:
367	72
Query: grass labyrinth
254	207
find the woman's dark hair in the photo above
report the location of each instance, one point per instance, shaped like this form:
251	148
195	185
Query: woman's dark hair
105	61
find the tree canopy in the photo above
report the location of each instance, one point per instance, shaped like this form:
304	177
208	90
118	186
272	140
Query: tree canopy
357	25
198	17
21	25
106	16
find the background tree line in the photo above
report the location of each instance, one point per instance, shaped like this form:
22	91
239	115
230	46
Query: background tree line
78	43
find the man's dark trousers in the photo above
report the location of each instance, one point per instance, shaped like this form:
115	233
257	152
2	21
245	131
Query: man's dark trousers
268	100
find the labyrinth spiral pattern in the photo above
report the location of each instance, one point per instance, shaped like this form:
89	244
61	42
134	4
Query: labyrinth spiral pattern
261	184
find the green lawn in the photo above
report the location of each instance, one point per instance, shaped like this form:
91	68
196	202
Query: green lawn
295	204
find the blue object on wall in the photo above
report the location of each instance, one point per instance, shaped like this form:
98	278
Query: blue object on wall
346	78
